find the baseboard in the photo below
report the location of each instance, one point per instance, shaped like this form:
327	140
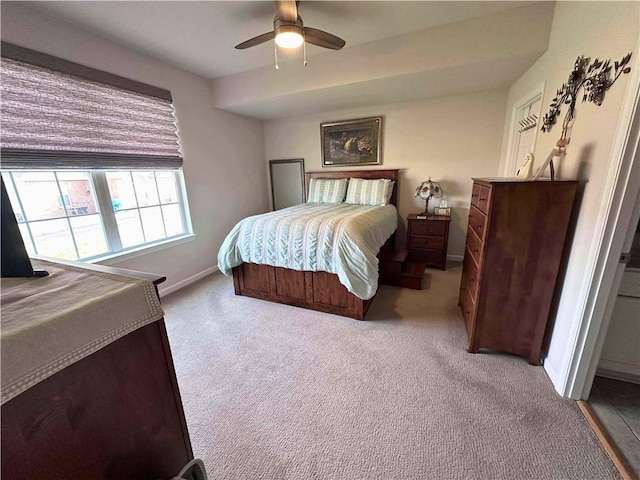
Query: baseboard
615	374
551	373
455	258
187	281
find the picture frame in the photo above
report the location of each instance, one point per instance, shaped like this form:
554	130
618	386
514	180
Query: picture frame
351	142
444	211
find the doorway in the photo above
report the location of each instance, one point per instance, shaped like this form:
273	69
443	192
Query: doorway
608	268
523	130
614	400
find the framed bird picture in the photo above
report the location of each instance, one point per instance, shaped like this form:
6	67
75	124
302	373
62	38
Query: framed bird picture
351	142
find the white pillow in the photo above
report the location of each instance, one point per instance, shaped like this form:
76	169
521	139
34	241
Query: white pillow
369	192
327	190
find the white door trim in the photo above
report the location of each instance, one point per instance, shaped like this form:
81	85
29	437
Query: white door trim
620	193
512	146
609	301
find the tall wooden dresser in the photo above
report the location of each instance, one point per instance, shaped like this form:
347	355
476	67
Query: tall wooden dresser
515	238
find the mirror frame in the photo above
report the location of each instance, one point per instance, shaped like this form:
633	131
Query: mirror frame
299	161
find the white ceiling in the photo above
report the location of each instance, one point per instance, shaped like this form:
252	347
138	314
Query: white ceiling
200	37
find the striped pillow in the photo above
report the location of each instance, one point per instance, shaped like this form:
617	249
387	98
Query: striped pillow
369	192
327	190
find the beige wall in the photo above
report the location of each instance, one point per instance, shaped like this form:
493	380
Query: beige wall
606	30
451	139
223	152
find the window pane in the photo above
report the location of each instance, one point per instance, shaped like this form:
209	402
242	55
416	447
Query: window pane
61	215
172	219
167	187
40	195
26	239
130	228
146	190
78	193
89	235
121	189
53	239
13	198
152	223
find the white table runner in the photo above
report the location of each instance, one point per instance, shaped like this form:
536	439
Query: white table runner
49	323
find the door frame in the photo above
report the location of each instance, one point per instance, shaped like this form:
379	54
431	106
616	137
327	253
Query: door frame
604	271
530	97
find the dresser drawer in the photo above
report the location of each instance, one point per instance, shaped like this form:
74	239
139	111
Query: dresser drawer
435	228
480	197
426	241
467	307
469	275
477	221
474	244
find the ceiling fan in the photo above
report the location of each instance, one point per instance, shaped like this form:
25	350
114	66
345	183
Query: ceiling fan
290	32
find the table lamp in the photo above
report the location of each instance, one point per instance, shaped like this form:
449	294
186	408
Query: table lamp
428	190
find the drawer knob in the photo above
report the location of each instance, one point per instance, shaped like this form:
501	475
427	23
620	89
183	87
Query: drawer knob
475	250
482	199
471	280
474	195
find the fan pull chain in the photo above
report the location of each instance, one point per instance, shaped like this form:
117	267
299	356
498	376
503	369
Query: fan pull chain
304	48
275	50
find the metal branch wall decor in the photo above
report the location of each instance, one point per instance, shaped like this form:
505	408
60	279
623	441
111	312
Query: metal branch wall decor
594	78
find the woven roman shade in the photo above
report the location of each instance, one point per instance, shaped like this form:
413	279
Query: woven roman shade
57	114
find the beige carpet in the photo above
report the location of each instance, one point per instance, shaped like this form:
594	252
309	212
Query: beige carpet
277	392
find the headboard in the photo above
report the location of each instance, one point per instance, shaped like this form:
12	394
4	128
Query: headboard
368	174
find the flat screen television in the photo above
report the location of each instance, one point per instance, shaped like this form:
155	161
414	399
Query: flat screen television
15	261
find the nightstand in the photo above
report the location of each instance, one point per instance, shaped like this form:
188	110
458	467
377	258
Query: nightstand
427	239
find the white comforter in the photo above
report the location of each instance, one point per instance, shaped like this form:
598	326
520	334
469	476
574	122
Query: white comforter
338	238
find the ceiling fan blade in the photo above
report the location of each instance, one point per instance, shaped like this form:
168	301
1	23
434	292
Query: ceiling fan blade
286	10
323	39
252	42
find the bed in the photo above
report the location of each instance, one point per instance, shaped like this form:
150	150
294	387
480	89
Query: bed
316	283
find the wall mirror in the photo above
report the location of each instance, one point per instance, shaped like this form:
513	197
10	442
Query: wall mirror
287	182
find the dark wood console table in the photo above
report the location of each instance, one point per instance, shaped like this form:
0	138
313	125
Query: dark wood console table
115	414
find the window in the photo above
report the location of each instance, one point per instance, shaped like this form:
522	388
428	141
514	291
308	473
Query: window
69	214
91	161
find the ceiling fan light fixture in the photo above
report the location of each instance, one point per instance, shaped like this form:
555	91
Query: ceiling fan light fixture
289	31
289	36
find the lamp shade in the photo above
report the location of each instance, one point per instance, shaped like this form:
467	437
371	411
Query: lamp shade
429	189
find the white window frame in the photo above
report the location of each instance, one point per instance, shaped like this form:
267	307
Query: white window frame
98	179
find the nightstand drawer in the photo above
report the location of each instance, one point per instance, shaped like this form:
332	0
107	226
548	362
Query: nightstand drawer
430	257
426	241
436	228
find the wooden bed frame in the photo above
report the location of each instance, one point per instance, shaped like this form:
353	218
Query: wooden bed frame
319	291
